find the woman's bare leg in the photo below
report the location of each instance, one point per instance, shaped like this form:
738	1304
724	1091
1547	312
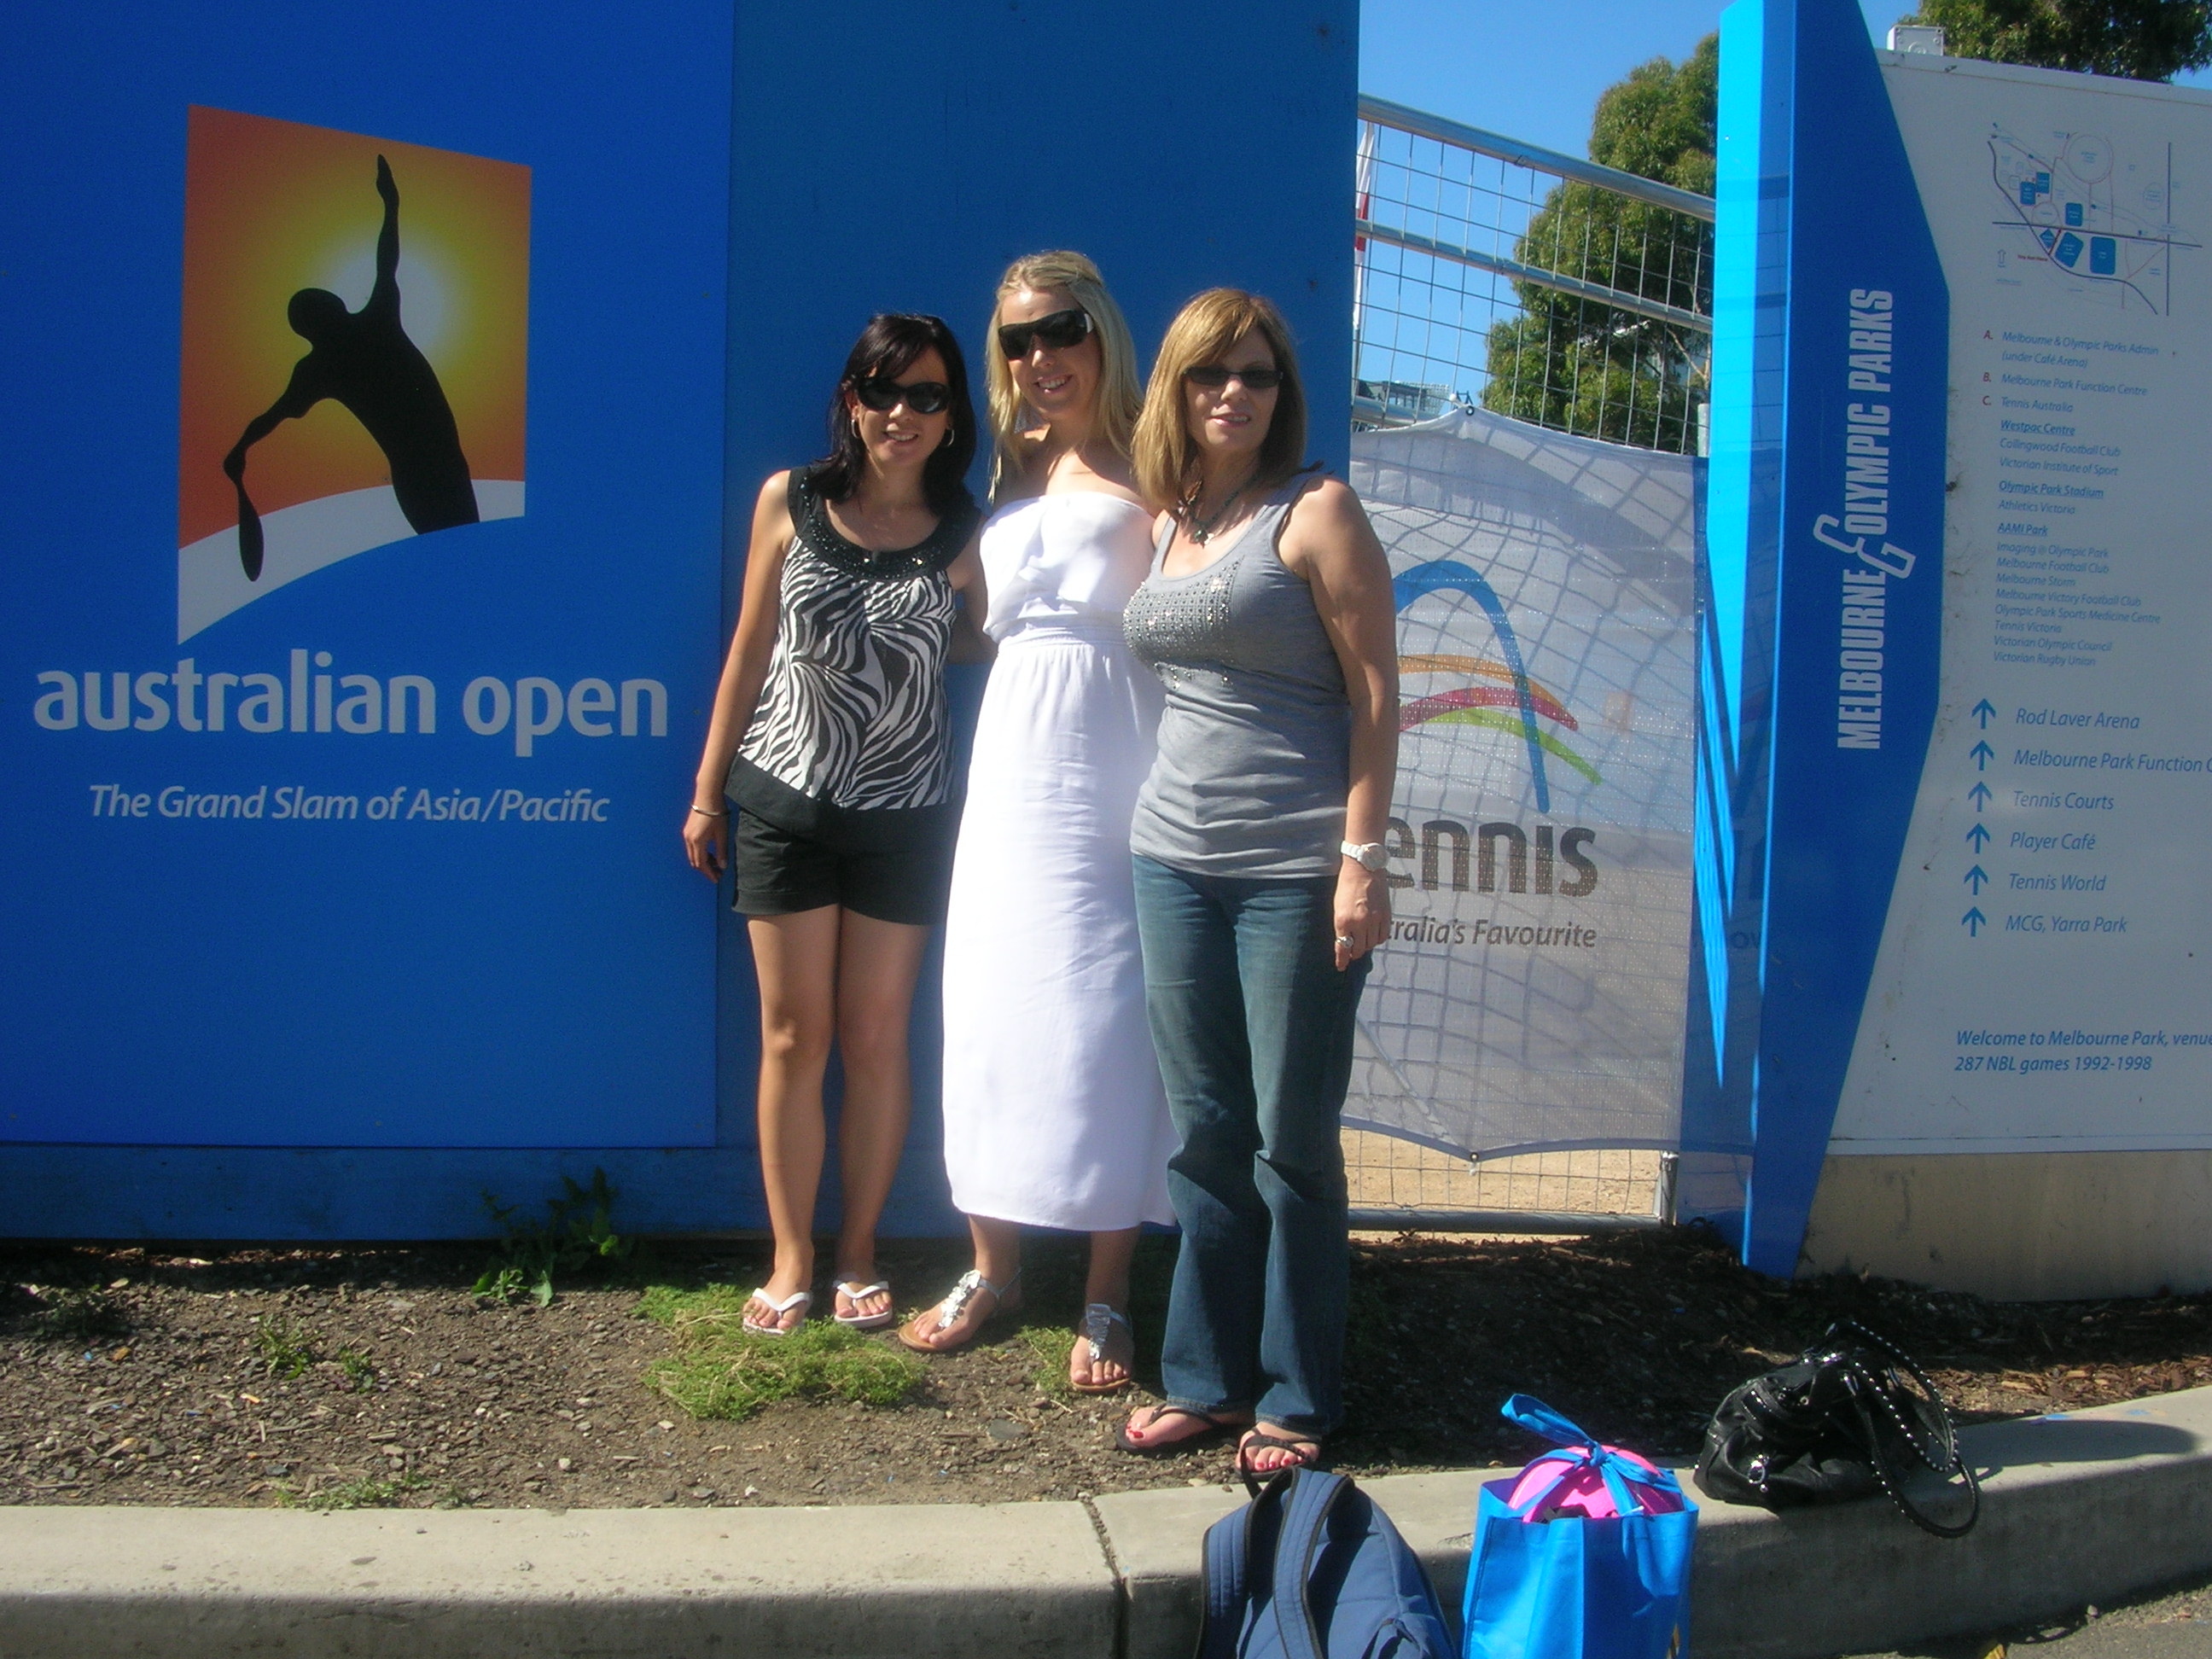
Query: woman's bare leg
997	1249
878	964
795	958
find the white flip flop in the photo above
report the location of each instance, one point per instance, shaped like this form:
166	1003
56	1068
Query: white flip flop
853	1291
801	1300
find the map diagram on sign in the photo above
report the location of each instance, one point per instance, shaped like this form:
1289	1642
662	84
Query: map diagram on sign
2097	226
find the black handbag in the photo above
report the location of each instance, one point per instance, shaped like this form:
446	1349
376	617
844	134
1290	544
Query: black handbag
1846	1419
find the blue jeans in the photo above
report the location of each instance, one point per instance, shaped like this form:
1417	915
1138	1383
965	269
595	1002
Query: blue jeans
1253	1023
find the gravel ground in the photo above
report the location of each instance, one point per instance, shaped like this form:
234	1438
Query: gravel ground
160	1375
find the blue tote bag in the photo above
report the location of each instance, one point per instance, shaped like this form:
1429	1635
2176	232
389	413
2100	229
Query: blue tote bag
1574	1585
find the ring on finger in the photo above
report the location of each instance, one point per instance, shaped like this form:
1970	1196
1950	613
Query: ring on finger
1345	941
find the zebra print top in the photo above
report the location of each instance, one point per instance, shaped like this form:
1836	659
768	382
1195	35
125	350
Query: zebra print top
852	716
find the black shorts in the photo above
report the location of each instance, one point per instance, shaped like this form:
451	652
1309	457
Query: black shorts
781	874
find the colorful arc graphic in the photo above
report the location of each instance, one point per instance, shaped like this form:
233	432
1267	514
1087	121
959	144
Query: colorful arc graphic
1481	696
1448	575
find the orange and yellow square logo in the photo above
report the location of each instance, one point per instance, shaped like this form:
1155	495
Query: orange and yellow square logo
356	315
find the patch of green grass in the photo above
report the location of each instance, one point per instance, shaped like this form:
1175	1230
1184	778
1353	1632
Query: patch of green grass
366	1493
80	1317
1049	1345
285	1347
719	1369
360	1375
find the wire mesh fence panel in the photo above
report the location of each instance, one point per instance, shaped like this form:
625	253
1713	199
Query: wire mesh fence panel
1494	274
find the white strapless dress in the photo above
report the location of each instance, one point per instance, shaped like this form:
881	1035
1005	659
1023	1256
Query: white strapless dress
1053	1113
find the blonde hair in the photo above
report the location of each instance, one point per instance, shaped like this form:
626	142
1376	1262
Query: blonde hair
1162	453
1114	414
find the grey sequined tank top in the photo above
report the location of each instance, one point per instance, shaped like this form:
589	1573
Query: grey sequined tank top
1254	755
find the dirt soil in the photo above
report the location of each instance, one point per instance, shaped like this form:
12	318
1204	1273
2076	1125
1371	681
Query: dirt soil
136	1376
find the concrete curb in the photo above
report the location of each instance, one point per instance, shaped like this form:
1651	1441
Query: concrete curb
2084	1507
916	1583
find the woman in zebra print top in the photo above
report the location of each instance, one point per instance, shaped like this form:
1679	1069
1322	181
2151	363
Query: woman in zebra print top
829	733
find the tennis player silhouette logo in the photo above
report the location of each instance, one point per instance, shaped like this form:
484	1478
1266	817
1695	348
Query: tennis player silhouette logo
353	368
363	361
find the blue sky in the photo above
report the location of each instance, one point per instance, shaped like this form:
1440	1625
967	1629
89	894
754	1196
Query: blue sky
1535	71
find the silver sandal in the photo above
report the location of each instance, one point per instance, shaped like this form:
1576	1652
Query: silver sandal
949	1311
1099	1319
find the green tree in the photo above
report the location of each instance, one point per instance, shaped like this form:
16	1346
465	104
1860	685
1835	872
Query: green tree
1583	367
2140	39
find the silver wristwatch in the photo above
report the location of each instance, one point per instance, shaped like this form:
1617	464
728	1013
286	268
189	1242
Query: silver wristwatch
1368	855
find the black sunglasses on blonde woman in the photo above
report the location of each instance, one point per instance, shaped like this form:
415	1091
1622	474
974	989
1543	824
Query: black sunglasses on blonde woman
1057	332
1214	376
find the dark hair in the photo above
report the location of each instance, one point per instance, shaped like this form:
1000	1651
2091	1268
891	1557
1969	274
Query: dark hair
889	345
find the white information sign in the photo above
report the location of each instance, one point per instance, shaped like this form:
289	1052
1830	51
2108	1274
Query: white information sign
2044	982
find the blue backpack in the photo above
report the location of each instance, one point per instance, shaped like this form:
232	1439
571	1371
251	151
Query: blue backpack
1312	1569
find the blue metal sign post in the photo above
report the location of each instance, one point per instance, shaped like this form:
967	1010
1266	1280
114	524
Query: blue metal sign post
1823	627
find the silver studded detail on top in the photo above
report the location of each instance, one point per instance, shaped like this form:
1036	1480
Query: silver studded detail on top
1175	625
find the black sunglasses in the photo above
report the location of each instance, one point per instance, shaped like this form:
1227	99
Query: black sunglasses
883	394
1057	332
1214	376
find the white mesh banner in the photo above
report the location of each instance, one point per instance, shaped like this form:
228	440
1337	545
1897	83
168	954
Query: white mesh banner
1532	993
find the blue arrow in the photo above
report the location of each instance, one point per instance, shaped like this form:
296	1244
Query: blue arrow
1979	837
1982	711
1980	794
1983	755
1973	921
1975	877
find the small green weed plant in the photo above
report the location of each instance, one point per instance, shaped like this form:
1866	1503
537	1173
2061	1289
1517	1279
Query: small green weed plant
577	1232
720	1370
72	1315
1048	1347
285	1347
366	1493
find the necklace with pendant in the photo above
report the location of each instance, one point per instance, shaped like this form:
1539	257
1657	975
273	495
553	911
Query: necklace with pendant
1201	530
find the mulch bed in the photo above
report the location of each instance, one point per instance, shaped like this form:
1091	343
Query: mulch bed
157	1375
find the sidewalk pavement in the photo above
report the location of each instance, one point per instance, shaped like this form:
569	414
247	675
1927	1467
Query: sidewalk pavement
2078	1508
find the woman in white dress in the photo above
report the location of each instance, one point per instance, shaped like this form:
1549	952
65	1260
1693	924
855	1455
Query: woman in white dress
1053	1112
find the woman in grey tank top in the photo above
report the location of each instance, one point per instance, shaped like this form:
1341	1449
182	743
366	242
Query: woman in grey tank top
1260	872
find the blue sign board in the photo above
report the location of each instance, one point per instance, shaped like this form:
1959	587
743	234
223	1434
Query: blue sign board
343	782
381	431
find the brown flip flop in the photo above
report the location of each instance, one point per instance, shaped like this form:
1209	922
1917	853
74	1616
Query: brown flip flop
1305	1454
1212	1425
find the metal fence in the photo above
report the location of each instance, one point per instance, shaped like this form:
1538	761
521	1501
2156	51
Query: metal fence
1534	284
1496	274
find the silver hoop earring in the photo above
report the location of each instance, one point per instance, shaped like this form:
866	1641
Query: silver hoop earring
948	439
